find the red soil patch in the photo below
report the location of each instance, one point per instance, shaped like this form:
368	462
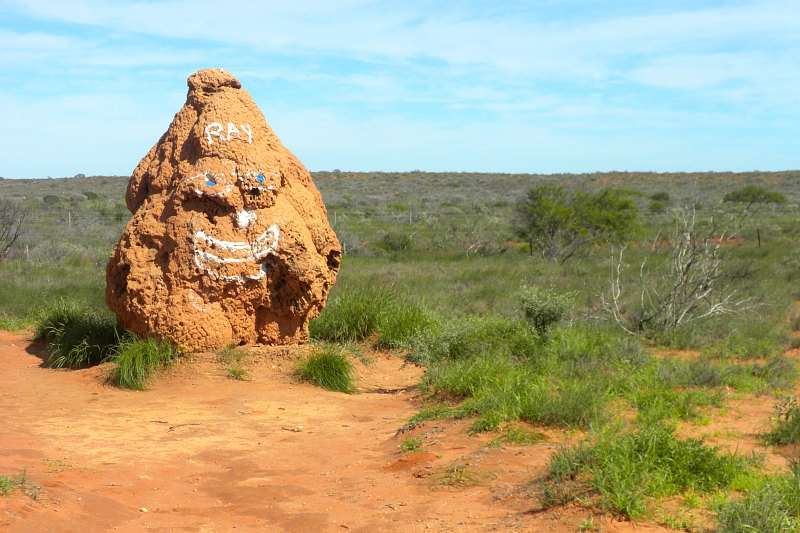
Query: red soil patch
201	452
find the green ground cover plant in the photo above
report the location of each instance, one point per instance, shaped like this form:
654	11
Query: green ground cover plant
137	360
329	367
772	506
358	313
625	472
76	337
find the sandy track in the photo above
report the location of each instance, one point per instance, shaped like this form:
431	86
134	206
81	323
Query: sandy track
200	452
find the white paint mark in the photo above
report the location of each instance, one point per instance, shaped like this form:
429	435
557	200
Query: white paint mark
249	131
214	129
225	245
244	218
244	252
233	130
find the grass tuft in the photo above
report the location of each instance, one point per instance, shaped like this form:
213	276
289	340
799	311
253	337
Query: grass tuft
771	507
787	428
356	314
9	483
138	359
328	367
624	472
411	444
76	337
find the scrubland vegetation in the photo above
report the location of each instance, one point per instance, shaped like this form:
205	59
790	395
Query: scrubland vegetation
621	309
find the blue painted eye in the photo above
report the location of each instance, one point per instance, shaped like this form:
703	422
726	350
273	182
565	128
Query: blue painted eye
260	178
210	180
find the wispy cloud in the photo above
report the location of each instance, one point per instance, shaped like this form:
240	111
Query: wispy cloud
558	84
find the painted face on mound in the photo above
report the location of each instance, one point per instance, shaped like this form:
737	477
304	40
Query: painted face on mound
233	234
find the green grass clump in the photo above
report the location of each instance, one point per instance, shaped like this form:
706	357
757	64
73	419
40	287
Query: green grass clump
505	372
138	359
516	436
465	338
624	472
771	507
9	483
329	368
756	340
237	373
76	337
787	429
356	314
411	444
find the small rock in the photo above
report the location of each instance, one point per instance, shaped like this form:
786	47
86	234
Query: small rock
143	509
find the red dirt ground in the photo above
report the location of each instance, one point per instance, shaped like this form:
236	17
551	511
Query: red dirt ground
201	452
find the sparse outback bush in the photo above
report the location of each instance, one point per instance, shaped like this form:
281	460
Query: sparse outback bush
753	194
545	307
559	223
687	286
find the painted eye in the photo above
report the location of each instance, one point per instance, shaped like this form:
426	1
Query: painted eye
210	180
260	178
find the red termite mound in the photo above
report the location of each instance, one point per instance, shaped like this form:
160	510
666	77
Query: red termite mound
229	240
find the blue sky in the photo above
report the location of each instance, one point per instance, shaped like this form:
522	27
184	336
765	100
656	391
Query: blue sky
539	86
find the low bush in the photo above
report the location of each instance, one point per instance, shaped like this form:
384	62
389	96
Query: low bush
138	359
396	242
623	472
76	337
544	307
771	507
328	367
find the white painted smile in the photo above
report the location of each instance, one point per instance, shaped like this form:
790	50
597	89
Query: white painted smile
218	258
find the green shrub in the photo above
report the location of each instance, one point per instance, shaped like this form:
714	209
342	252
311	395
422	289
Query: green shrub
625	471
138	359
771	507
328	367
661	196
559	223
545	307
753	194
396	242
76	337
